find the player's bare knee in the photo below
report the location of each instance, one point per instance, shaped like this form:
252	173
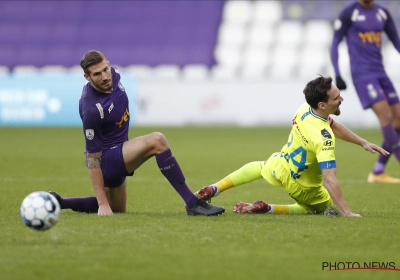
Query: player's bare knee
159	142
118	206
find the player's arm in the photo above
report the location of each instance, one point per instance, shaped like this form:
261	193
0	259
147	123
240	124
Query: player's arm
332	185
341	27
342	132
96	175
390	29
91	119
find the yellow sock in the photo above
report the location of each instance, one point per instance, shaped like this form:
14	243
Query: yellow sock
246	174
280	209
225	184
292	209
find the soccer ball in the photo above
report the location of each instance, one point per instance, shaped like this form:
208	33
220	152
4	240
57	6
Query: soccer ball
40	210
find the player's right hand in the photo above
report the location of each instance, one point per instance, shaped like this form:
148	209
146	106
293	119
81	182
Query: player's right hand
374	148
104	210
340	83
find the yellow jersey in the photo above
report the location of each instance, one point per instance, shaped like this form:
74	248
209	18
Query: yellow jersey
310	148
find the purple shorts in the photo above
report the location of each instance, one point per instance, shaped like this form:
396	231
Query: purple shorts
374	90
113	167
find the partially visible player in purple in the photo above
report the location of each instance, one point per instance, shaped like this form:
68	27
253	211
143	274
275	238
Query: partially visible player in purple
362	23
110	155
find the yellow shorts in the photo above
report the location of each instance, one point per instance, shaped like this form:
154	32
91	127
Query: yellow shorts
313	199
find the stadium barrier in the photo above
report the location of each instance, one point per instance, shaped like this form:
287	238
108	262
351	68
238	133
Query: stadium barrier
240	103
52	100
44	100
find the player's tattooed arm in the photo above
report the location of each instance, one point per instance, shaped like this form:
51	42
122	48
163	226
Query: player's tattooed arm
94	160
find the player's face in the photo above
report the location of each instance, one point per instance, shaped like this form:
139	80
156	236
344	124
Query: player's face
334	101
100	77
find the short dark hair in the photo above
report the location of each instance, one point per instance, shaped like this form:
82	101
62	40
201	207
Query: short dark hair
91	58
317	91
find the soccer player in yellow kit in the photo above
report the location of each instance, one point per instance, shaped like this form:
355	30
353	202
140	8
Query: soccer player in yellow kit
306	165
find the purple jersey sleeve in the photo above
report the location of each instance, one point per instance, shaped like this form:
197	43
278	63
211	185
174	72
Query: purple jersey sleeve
341	26
390	29
91	115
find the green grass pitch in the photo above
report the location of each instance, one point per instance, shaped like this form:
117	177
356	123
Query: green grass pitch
155	239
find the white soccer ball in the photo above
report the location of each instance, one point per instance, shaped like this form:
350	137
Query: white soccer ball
40	210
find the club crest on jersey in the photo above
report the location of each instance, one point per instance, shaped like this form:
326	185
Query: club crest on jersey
89	134
325	134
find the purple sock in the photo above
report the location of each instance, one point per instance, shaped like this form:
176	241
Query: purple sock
81	204
380	164
392	140
169	167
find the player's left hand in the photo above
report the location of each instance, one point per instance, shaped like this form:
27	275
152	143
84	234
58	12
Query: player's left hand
374	148
340	83
104	210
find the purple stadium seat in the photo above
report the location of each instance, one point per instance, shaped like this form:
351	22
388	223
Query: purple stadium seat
60	55
8	55
64	34
11	33
128	32
322	10
46	12
31	56
70	11
14	11
141	55
35	33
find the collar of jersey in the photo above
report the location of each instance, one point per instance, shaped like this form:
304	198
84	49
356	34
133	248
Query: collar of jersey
315	115
99	92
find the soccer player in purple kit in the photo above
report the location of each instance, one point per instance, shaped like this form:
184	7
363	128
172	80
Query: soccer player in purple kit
362	23
110	155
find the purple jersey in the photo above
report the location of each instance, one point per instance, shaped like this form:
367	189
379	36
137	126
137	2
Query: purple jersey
105	117
363	28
